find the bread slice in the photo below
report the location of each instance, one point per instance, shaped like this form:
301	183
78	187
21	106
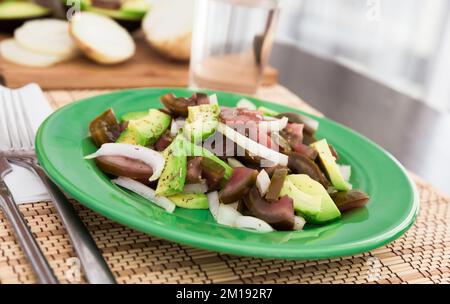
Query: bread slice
101	38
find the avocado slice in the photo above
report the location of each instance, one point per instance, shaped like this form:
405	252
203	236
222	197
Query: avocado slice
328	209
173	176
18	9
130	20
133	115
129	10
329	163
305	203
190	200
201	122
145	130
13	14
135	7
131	135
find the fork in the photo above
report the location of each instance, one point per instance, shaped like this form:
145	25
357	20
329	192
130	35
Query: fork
24	235
23	154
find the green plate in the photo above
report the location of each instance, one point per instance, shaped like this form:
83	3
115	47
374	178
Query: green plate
62	141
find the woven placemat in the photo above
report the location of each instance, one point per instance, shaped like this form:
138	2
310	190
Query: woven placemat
420	256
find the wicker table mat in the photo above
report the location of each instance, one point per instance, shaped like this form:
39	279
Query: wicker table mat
420	256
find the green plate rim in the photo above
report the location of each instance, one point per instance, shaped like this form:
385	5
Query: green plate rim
239	247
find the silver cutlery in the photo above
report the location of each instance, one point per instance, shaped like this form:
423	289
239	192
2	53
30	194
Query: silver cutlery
23	233
22	153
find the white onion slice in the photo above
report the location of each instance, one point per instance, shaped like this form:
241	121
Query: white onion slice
213	202
48	36
101	38
234	163
234	205
176	125
245	104
148	156
250	222
195	188
226	215
213	99
252	146
312	123
262	182
145	192
273	125
174	128
346	171
299	222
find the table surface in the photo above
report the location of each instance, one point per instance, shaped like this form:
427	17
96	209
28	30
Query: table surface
420	256
412	131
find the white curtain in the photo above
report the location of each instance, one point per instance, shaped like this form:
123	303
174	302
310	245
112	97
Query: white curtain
403	43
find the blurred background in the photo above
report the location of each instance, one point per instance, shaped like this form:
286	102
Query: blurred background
381	67
403	43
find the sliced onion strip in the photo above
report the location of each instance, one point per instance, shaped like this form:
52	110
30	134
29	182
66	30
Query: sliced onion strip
253	223
262	182
299	222
148	156
346	171
176	125
213	202
145	192
227	215
195	188
252	146
273	125
213	99
245	104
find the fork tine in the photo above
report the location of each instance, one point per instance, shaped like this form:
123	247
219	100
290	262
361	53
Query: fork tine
28	129
10	132
3	124
17	122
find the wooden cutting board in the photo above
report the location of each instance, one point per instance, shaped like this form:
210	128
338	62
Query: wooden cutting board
145	69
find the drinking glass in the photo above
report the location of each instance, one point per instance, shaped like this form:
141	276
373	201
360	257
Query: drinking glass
231	43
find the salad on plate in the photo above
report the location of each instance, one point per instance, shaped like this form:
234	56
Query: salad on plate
251	167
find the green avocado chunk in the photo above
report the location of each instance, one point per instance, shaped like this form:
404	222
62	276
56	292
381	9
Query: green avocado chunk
307	204
201	122
330	165
131	135
129	10
173	176
133	115
136	7
190	200
19	9
328	210
145	130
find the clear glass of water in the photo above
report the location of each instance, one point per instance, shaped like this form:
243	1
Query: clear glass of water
231	43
